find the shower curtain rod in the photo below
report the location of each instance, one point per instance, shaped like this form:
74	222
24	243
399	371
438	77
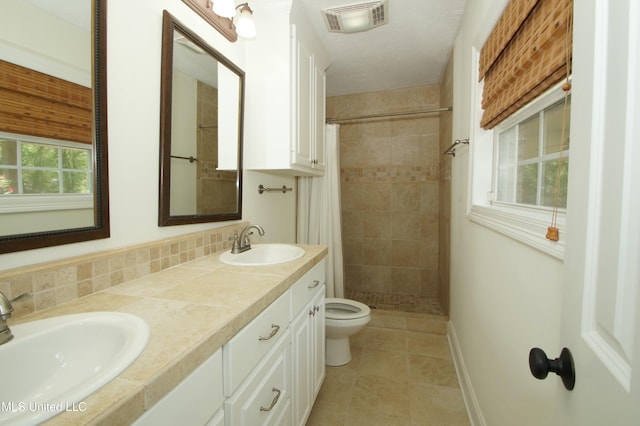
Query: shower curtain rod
386	115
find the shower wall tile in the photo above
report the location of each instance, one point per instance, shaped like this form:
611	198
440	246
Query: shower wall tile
377	224
406	196
376	278
405	280
390	170
352	251
406	225
376	252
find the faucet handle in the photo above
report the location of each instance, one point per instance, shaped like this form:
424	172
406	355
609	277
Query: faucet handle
5	307
235	247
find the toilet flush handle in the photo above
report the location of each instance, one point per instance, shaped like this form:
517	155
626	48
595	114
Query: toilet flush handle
315	284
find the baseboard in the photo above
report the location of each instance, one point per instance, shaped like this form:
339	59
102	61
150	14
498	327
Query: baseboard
469	396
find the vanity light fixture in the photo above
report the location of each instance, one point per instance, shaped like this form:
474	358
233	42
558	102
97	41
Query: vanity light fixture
245	26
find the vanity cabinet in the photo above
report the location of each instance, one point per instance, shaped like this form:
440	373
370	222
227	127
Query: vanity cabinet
197	400
285	108
269	373
307	342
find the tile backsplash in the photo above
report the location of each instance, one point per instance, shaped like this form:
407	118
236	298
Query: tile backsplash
53	283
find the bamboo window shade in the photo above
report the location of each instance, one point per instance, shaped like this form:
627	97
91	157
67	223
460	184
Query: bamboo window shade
37	104
525	55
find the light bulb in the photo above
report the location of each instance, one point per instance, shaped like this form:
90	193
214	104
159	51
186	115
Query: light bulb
224	8
245	26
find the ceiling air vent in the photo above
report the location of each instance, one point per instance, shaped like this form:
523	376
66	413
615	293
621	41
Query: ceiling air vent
354	18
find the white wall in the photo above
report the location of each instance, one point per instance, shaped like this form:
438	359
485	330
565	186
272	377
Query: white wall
134	31
505	296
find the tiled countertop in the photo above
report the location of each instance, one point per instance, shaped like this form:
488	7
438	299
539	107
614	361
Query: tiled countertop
192	309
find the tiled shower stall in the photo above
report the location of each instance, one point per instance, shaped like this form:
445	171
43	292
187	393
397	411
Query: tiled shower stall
390	196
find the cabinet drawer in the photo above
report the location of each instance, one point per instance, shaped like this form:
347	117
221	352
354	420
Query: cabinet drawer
307	287
243	352
263	397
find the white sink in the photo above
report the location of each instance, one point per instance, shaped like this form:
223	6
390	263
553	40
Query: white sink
263	255
52	364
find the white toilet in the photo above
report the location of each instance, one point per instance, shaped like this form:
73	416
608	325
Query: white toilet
343	318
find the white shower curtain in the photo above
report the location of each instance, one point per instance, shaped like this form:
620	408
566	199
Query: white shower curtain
319	212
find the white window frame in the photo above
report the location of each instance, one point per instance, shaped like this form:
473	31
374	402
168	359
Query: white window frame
527	224
22	203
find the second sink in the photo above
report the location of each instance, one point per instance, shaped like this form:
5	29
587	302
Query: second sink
263	255
54	363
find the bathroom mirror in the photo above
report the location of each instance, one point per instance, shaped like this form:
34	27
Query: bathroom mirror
201	119
53	123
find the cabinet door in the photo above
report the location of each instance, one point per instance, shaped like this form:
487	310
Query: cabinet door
318	344
304	106
301	360
194	401
319	114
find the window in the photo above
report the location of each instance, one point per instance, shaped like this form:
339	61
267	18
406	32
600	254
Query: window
41	166
513	170
528	155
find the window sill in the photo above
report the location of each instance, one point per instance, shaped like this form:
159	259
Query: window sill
526	227
18	203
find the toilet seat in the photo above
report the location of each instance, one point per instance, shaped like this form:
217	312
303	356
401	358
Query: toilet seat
345	309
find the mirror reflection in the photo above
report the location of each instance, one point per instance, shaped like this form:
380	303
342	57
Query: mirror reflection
201	121
53	186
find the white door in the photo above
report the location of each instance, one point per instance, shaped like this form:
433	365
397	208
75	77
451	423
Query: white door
601	318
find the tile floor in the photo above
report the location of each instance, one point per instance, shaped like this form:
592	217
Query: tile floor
401	374
397	302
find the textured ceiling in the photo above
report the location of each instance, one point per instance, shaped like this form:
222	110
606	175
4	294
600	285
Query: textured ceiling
411	50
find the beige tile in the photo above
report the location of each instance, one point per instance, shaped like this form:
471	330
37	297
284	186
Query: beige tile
387	364
376	277
425	325
438	405
380	394
406	226
405	253
384	339
376	225
378	319
375	417
437	371
405	281
376	252
432	345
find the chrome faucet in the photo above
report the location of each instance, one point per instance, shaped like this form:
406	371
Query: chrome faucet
5	313
6	308
243	243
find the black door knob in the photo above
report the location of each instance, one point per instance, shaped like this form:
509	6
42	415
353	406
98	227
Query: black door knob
540	366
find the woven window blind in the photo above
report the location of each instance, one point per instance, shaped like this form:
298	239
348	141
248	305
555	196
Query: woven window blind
525	55
37	104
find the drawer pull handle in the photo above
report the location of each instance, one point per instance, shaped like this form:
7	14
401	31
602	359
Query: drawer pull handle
274	330
315	284
274	402
312	312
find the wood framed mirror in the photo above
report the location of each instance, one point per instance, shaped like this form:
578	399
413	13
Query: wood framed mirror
54	186
201	122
